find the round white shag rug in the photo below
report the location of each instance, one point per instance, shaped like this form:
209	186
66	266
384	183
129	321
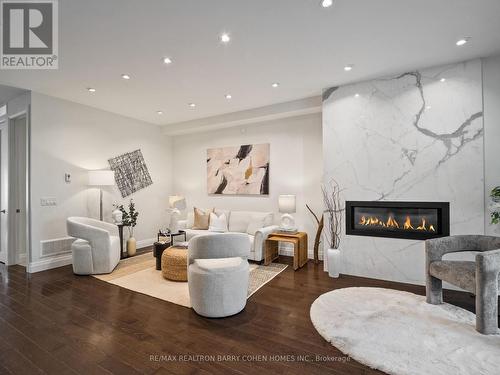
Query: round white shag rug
399	333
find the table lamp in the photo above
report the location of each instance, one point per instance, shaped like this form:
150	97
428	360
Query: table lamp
100	179
177	204
287	206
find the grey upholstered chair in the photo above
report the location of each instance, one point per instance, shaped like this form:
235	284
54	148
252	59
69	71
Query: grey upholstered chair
97	248
218	273
479	277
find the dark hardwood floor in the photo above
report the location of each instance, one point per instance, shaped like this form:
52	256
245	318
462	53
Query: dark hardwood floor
57	323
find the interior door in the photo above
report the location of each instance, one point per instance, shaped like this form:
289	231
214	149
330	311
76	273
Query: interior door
18	190
4	189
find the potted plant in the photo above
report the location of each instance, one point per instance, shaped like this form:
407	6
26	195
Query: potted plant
129	219
495	207
333	225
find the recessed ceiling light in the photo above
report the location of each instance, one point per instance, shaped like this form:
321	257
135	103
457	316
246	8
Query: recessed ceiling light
159	112
167	60
125	76
326	3
462	41
90	89
428	107
225	38
356	95
442	80
228	96
348	68
275	84
192	105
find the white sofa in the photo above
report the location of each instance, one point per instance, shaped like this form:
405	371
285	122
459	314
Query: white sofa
257	225
97	248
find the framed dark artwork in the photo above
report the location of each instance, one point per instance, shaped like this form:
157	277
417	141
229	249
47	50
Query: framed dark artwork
131	172
239	170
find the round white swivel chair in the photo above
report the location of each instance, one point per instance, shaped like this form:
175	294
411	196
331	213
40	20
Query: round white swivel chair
97	248
218	273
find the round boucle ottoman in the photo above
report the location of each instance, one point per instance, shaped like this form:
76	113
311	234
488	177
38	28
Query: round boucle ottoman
174	264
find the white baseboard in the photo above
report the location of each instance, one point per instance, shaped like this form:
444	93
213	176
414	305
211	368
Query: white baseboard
145	243
49	263
21	259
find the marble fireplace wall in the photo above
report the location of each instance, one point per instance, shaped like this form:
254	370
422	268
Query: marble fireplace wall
407	137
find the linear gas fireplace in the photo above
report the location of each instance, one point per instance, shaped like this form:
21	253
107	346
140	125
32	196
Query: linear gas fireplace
411	220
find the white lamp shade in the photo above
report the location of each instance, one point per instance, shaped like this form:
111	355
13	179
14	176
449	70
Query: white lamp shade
177	201
287	204
101	178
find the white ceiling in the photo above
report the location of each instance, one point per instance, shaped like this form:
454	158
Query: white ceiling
295	42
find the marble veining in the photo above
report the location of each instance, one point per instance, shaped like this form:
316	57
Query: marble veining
407	137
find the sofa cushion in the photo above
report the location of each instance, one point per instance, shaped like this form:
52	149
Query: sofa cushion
218	223
219	211
239	220
201	218
256	222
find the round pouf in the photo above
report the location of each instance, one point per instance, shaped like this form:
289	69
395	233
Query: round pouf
399	333
174	264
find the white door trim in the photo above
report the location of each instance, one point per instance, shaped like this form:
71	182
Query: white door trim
4	190
12	257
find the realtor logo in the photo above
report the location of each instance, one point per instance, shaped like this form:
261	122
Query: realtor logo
29	34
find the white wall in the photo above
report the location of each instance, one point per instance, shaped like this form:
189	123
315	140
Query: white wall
71	138
491	94
295	166
375	151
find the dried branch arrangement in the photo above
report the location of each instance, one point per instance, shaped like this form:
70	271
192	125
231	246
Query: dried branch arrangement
317	239
334	213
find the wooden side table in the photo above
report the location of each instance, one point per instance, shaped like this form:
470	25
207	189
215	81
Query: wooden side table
299	241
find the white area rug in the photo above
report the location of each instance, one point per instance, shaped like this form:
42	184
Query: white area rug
399	333
140	275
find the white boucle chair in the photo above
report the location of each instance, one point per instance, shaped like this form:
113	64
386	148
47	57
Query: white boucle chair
218	273
97	248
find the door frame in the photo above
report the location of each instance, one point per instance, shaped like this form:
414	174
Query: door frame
11	118
4	190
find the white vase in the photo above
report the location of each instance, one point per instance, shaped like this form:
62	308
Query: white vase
333	262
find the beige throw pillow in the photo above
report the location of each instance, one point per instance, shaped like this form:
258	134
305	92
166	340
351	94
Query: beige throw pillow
201	218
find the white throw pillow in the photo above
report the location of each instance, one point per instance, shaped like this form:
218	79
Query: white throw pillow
256	223
218	223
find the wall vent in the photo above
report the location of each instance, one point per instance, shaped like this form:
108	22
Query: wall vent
55	246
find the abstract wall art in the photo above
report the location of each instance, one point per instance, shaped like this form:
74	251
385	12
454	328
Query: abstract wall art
131	172
242	170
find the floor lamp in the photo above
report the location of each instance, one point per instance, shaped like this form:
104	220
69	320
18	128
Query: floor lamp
100	179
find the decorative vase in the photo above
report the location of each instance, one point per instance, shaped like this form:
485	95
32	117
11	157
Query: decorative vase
131	246
117	216
333	262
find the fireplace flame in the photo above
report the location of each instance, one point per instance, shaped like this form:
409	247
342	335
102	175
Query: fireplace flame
391	222
407	224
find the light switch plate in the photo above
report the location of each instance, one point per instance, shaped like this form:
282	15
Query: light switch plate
48	201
